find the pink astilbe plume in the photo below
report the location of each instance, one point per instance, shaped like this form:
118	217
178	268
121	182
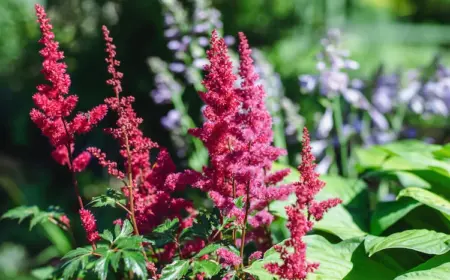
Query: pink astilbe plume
295	265
237	133
54	104
89	225
150	199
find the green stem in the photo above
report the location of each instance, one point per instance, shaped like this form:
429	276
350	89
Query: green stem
337	116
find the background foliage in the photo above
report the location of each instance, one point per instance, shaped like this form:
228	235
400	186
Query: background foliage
398	34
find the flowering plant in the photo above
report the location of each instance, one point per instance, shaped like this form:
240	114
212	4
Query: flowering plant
161	235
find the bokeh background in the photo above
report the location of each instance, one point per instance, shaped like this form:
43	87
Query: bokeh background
396	35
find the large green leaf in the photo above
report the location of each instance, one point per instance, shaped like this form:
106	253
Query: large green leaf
339	222
441	272
425	241
388	213
175	270
428	198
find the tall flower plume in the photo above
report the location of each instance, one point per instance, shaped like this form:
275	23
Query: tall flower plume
150	198
295	265
237	134
54	104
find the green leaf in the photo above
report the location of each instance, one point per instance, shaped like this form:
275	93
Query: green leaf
135	262
208	250
239	202
129	243
443	153
165	232
425	241
43	272
339	222
433	262
108	236
428	198
257	269
111	198
439	272
125	230
388	213
76	261
102	265
209	267
205	223
39	218
21	213
175	270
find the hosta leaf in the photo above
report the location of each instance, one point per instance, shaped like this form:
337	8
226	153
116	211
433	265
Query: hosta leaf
135	262
209	267
425	241
441	272
388	213
428	198
339	222
257	269
433	262
175	270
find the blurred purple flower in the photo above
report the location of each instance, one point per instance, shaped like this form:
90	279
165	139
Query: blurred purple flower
172	120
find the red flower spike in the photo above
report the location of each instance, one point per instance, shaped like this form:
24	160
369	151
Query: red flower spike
89	224
295	265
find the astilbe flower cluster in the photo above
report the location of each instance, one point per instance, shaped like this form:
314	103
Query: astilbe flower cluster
300	219
150	196
54	107
237	133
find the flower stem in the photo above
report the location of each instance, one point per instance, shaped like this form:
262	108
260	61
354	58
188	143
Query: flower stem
337	116
244	228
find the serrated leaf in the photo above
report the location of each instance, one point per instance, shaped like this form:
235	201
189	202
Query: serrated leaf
175	270
428	198
102	265
115	260
204	225
209	267
125	230
108	236
77	252
208	250
129	243
76	261
166	232
440	272
388	213
21	213
425	241
111	198
39	218
135	262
